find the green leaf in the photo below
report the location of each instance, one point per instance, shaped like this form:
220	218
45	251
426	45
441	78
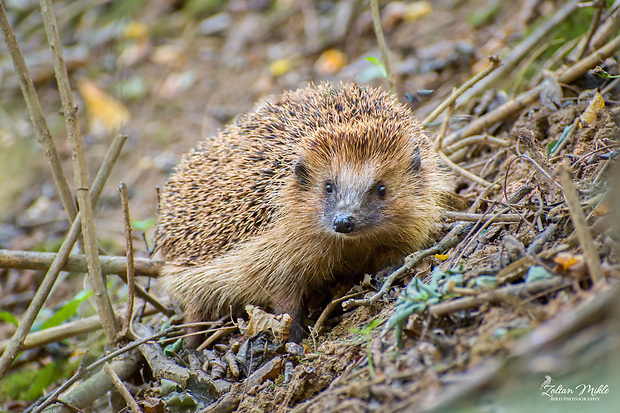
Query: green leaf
174	348
9	318
379	63
603	74
67	311
553	145
537	273
48	375
143	224
483	281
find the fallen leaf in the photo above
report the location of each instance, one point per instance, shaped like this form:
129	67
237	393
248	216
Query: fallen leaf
176	83
566	260
417	10
280	67
105	113
135	31
397	11
330	62
170	55
601	209
594	107
442	257
260	320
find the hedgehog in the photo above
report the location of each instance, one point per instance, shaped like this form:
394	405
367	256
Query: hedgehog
321	185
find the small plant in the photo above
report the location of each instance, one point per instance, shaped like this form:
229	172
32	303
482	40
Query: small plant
366	333
417	296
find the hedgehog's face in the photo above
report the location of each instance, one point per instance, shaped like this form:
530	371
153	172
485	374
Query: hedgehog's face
353	200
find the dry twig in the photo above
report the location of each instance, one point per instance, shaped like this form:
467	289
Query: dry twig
578	218
100	296
376	19
120	387
41	261
318	326
408	265
509	108
494	63
464	172
131	277
519	52
65	331
130	365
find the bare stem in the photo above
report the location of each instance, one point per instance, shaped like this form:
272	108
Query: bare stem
494	63
102	301
463	172
376	19
578	218
131	277
120	387
41	261
519	52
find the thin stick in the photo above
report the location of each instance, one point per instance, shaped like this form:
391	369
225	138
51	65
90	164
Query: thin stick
221	332
444	127
118	384
463	172
36	116
494	63
58	263
102	301
464	216
131	277
41	261
318	326
594	24
376	19
520	51
476	140
593	261
470	302
408	265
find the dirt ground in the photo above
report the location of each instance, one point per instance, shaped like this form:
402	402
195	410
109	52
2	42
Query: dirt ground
169	73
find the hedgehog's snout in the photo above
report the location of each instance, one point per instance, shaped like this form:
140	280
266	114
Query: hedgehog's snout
344	223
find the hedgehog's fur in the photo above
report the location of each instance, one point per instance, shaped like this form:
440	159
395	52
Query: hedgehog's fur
246	217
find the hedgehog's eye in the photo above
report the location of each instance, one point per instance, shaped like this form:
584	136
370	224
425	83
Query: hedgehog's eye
329	187
381	190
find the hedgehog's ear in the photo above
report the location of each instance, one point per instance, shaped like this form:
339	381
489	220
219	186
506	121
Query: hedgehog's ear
301	172
416	160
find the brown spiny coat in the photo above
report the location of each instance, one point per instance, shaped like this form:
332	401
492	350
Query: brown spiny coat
324	182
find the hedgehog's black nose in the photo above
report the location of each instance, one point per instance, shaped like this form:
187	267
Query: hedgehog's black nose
344	223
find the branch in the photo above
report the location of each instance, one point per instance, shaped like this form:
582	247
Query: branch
102	301
495	62
65	330
41	261
408	265
376	19
571	196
